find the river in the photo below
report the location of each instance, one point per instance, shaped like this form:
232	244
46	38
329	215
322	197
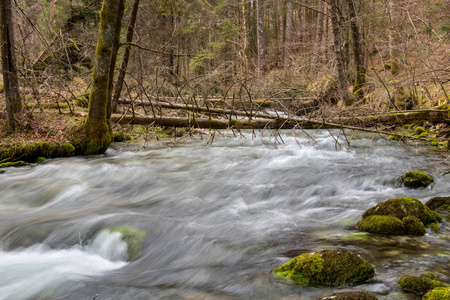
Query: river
217	218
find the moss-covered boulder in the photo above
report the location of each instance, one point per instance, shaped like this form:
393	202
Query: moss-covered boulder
13	164
349	296
420	285
401	208
439	203
382	225
413	226
134	238
417	179
329	267
441	293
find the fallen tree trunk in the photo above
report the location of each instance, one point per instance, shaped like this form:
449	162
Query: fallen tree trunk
206	123
397	118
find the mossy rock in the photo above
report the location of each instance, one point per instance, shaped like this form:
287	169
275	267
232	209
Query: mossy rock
417	179
121	136
382	225
441	293
437	202
134	238
349	296
413	226
434	227
329	267
13	164
401	208
420	285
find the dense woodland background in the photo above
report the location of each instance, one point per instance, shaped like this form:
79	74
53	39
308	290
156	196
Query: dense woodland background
369	55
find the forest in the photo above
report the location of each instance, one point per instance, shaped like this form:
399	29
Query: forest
222	64
225	149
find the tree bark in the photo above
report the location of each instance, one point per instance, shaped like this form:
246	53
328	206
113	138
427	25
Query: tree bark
358	53
126	56
98	133
261	39
9	67
319	38
336	24
288	35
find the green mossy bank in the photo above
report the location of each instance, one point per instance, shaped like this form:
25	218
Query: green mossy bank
16	155
36	152
328	267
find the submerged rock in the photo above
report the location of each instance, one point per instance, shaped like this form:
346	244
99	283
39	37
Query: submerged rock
329	267
440	293
417	179
420	285
439	203
382	225
134	238
349	296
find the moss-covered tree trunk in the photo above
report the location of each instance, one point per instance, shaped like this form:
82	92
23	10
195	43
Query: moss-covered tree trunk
9	68
98	133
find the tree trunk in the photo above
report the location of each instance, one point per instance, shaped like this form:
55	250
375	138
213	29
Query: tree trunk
9	67
261	38
98	123
126	56
358	53
336	24
288	35
319	38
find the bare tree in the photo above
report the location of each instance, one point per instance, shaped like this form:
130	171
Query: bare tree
9	67
288	34
261	38
126	55
336	24
358	53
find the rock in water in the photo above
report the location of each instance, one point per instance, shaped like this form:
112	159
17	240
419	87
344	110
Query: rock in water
416	179
330	267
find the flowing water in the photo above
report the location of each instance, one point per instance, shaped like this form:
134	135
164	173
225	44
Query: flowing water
217	219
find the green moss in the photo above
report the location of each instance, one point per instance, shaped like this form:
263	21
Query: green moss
382	225
403	207
121	136
441	293
330	267
436	202
413	226
416	179
434	227
12	164
263	103
357	236
349	296
134	238
40	160
419	285
419	130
